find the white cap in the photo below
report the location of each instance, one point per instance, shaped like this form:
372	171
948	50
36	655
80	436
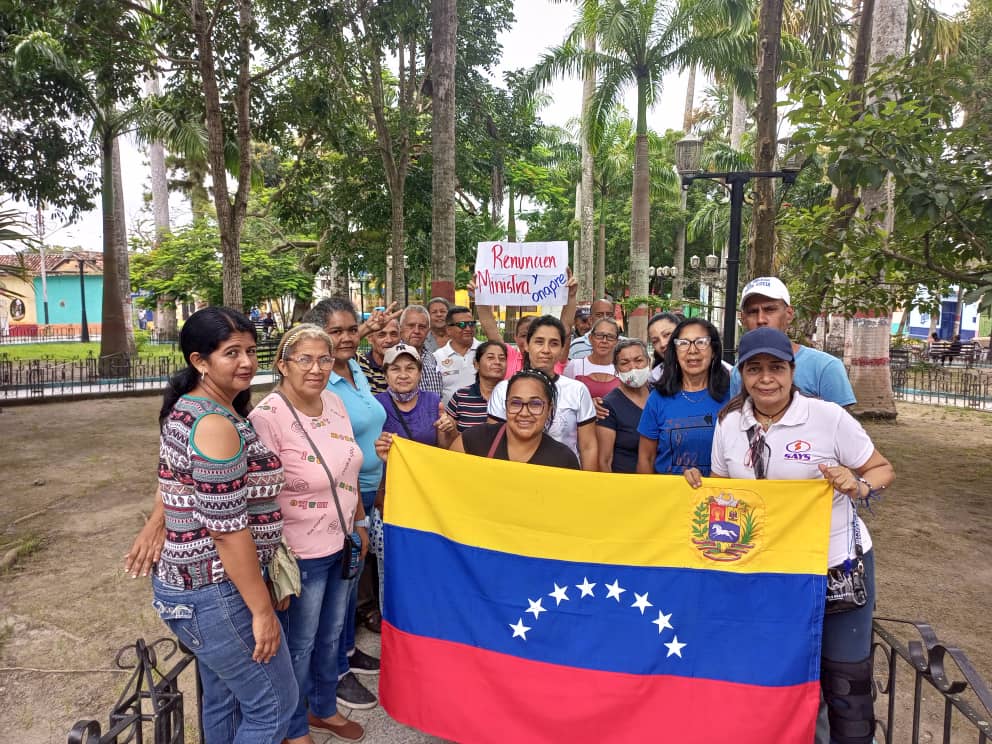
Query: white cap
766	286
393	353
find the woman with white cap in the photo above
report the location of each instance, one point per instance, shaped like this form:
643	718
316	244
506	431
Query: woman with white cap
758	430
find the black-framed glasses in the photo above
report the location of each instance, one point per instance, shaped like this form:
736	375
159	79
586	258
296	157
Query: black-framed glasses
305	361
463	324
605	336
682	344
535	406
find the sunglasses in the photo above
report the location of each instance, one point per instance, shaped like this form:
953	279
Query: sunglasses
463	324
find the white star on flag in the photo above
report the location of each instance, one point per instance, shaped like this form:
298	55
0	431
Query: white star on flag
662	622
613	591
641	602
559	594
535	607
586	588
521	630
674	648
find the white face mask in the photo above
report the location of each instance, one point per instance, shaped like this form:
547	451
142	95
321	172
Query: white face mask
635	378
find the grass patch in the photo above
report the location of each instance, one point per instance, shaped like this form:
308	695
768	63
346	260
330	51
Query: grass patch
64	351
25	545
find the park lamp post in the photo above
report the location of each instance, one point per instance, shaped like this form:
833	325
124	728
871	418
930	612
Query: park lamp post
688	154
708	272
661	273
84	333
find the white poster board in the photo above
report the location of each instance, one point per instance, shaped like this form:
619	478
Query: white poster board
521	273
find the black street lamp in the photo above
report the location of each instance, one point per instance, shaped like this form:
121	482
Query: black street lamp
688	153
84	334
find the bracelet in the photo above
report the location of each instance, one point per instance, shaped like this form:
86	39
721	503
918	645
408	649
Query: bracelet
362	523
873	493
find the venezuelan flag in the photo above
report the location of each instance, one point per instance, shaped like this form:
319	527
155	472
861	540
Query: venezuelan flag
534	604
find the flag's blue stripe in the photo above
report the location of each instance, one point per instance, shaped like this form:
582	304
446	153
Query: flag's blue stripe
761	629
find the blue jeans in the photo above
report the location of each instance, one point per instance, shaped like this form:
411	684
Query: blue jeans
244	702
347	644
313	624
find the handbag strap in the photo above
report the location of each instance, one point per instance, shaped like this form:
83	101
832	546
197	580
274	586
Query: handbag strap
320	459
496	440
399	415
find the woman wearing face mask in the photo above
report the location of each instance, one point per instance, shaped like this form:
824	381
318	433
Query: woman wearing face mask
617	432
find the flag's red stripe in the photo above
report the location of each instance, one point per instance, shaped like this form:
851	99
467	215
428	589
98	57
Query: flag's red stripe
475	696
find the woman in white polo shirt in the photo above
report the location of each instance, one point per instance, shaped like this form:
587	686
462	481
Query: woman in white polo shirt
771	430
574	421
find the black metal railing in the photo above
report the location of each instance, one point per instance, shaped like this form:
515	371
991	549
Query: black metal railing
53	378
935	385
962	706
35	333
151	700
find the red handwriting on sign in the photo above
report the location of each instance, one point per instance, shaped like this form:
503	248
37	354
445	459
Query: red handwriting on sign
520	263
502	285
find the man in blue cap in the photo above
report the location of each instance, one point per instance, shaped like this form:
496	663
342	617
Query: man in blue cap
765	302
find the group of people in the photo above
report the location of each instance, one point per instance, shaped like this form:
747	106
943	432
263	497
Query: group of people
305	466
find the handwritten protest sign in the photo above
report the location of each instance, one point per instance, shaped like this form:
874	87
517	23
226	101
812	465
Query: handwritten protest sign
521	273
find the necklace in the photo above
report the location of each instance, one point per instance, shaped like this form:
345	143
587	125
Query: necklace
691	400
769	418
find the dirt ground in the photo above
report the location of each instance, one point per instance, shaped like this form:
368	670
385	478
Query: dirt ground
77	478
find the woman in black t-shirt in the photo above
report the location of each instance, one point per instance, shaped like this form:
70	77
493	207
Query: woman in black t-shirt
617	432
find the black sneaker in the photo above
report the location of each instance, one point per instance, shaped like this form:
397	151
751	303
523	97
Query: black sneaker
352	694
361	663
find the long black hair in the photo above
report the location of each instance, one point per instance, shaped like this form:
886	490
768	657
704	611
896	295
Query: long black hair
544	320
205	330
718	379
550	389
675	318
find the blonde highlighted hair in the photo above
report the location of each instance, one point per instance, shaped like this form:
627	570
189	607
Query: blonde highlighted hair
301	332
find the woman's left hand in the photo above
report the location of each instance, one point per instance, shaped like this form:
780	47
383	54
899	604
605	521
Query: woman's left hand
842	479
444	421
363	534
382	445
693	477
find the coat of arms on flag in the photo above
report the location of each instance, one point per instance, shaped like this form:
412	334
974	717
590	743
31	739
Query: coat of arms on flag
534	604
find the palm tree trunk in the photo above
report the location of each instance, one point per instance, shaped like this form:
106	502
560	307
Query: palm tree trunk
640	217
165	312
123	260
738	119
113	338
690	97
762	249
444	16
600	280
584	268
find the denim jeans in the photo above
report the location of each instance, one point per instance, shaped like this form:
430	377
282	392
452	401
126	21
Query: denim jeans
313	624
244	702
347	644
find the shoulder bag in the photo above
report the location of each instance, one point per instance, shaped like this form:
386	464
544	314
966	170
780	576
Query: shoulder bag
351	560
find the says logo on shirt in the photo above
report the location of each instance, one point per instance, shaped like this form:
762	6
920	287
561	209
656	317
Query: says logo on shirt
798	450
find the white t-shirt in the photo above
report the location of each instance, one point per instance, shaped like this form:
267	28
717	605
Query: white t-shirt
812	432
457	371
574	407
583	366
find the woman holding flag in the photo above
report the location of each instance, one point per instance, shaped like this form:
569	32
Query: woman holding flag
771	430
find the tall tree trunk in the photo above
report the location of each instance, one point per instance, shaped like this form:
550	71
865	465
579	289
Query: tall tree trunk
600	280
123	259
869	360
395	273
762	249
230	215
738	119
165	311
690	97
640	216
113	337
444	16
584	264
678	281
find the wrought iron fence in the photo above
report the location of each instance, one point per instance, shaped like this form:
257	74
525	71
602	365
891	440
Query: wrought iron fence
32	333
932	384
151	698
51	378
962	705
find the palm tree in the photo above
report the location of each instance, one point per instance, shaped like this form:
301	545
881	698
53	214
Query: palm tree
638	42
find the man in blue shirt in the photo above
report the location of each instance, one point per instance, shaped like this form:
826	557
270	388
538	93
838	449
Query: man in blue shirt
765	301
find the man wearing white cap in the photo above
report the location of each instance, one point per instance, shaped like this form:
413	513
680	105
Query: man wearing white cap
765	301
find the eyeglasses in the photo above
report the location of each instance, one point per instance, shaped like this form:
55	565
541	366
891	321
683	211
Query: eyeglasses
682	344
605	336
535	406
463	324
306	362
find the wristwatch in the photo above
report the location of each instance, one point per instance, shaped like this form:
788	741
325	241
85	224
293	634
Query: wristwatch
362	523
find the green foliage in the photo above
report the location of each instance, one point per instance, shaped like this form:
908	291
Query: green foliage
701	520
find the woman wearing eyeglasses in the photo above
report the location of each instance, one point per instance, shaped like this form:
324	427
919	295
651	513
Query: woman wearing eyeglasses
757	436
597	371
313	622
676	428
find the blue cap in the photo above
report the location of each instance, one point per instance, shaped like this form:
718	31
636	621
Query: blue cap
765	341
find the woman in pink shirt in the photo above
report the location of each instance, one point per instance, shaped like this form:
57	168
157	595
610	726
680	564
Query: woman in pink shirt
313	621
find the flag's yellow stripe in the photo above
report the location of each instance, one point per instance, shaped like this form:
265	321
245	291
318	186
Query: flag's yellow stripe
637	520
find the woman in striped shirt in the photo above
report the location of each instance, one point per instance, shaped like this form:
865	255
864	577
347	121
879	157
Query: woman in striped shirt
468	405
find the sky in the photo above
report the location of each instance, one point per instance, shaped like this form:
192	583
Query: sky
539	24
